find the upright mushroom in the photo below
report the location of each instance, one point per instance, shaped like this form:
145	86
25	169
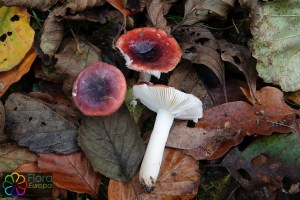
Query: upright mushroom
149	50
169	103
99	89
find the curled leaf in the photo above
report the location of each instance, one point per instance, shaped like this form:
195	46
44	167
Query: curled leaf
80	5
35	4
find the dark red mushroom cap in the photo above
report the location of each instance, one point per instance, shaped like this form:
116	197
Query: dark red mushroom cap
149	49
99	89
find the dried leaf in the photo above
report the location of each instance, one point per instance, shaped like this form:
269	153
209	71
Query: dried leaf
179	179
33	124
201	47
200	10
155	10
15	74
70	61
80	5
72	172
240	57
265	162
276	45
185	79
52	34
13	156
43	5
16	36
135	5
120	5
3	137
224	126
294	97
113	144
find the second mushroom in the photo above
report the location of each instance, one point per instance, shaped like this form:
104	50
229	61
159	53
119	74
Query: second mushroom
169	104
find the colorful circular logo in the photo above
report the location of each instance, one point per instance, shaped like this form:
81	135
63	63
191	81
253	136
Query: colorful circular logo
15	185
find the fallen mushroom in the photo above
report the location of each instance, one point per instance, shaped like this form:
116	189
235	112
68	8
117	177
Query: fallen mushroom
169	103
149	50
99	89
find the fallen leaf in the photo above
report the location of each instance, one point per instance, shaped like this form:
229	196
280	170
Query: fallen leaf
179	178
155	10
80	5
201	10
16	36
13	156
265	162
71	61
33	124
185	79
294	97
135	5
93	14
14	75
240	57
224	126
135	109
34	4
45	72
113	144
276	45
71	172
201	47
120	5
52	33
3	137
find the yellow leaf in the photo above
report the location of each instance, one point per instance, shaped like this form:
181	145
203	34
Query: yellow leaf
119	4
16	36
14	75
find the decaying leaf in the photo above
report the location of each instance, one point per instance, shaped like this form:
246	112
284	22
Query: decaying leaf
9	77
224	126
35	4
179	178
80	5
53	32
265	162
33	124
3	137
113	144
201	47
71	61
16	36
155	10
200	10
120	5
185	79
72	172
136	110
240	57
294	97
276	43
13	156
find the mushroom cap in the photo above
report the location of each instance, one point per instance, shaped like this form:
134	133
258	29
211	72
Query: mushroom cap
181	105
99	89
150	50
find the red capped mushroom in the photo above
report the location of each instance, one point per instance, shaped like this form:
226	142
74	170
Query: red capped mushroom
149	50
99	89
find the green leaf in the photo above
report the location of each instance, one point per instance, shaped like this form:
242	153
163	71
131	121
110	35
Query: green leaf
113	144
135	110
276	42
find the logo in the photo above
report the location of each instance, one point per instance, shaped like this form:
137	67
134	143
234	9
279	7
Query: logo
14	185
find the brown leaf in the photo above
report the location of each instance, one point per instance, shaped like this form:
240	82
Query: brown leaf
13	156
14	75
155	10
136	5
294	97
71	61
179	178
196	10
52	34
224	126
72	172
43	5
120	5
33	124
240	57
185	78
3	137
201	47
80	5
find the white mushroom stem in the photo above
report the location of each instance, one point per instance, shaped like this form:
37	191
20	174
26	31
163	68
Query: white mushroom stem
144	77
154	153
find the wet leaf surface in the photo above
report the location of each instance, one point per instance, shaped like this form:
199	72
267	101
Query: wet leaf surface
13	156
33	124
178	179
113	144
16	36
72	172
225	126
